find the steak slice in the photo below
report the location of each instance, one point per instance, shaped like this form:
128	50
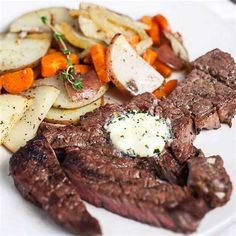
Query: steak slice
208	179
39	178
218	64
155	203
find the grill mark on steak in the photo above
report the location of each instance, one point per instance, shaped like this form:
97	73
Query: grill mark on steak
39	178
218	64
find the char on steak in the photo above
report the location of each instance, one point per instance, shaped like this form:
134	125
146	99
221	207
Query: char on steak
174	190
39	178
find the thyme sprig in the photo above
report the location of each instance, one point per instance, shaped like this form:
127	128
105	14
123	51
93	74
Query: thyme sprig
68	74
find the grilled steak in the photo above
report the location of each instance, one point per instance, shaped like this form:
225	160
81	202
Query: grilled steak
220	65
173	189
39	178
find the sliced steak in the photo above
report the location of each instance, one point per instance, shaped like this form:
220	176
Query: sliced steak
156	203
39	178
218	64
209	179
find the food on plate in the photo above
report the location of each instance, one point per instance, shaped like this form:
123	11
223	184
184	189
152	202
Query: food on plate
63	100
18	53
19	81
26	127
166	89
70	116
12	108
52	190
128	71
31	22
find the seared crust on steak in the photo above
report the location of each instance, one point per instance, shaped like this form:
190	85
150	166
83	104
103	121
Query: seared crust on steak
39	178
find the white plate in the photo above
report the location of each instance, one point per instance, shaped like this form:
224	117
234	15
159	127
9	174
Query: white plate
203	30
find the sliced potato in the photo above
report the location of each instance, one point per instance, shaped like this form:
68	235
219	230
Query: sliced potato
31	22
12	108
17	53
74	37
63	100
70	116
26	128
128	71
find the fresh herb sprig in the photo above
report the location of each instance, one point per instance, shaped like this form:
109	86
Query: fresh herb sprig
68	74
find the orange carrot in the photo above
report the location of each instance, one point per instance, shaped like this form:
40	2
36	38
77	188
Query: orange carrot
56	61
154	31
82	69
0	84
162	22
162	68
133	39
19	81
150	56
170	86
98	56
159	93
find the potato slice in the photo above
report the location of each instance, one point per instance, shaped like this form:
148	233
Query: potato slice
31	21
17	53
71	116
26	128
12	108
75	38
63	100
128	71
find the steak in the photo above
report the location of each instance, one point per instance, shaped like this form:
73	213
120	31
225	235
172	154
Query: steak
220	65
173	190
39	178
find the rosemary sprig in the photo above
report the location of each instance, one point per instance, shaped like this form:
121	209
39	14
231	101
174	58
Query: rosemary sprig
69	73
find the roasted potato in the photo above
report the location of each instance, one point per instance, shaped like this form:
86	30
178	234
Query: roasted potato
70	116
128	71
26	128
12	108
17	53
31	22
63	100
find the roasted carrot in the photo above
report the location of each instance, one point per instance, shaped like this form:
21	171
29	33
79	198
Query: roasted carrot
54	62
169	86
159	93
162	22
162	68
0	84
82	69
150	56
154	31
133	39
98	56
19	81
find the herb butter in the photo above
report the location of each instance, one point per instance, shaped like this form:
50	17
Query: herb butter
138	133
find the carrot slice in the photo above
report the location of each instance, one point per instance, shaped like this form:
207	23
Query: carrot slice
162	22
82	69
53	62
150	56
154	31
159	93
98	56
133	39
169	86
19	81
162	68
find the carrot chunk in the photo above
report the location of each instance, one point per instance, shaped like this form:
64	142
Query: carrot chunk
162	68
99	60
159	93
162	22
150	56
154	31
169	86
19	81
82	69
53	62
